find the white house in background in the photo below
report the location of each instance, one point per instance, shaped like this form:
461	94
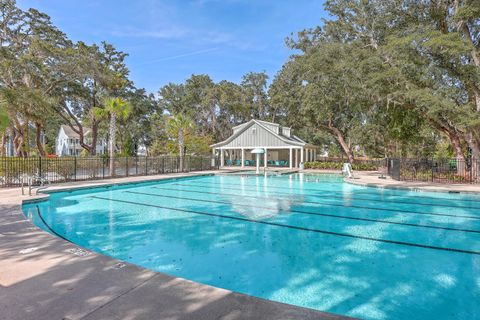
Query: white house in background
68	142
281	148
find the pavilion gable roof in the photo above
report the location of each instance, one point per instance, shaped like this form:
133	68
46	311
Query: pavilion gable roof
240	129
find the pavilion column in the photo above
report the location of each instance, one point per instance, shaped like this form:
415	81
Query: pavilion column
290	160
243	158
222	158
301	155
265	158
296	158
314	154
213	157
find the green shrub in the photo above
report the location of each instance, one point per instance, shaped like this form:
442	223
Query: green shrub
331	165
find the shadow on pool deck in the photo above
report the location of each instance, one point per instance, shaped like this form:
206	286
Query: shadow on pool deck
41	279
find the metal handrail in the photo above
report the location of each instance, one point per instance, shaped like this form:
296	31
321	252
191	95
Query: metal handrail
32	179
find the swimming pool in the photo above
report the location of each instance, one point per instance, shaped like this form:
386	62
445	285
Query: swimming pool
303	239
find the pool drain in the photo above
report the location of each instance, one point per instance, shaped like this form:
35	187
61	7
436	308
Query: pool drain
28	250
79	252
119	266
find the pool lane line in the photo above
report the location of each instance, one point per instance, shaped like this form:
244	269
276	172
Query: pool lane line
340	234
331	204
415	197
311	213
366	199
382	191
367	193
49	228
356	198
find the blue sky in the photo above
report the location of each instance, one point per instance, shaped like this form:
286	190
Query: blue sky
169	40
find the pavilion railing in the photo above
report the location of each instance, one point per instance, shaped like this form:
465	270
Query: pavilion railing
14	171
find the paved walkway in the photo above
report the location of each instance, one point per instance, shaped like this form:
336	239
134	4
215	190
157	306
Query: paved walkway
372	179
44	277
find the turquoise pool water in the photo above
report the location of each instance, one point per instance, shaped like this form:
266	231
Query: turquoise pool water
307	240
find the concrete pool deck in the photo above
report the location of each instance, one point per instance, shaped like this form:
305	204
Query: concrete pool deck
45	277
372	179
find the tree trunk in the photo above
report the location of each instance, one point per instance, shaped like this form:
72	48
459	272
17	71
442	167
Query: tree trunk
111	143
473	144
341	140
85	146
94	133
459	155
93	150
181	149
38	139
455	141
66	114
457	146
19	139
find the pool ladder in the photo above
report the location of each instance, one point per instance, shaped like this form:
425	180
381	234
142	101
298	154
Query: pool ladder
44	184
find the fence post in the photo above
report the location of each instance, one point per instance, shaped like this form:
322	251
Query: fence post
5	177
39	166
472	164
136	165
75	167
126	166
146	165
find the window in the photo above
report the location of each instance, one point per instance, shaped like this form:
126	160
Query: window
254	130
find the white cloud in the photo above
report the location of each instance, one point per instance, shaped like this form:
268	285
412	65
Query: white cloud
178	56
190	35
168	33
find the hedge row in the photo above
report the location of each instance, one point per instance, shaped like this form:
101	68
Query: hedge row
329	165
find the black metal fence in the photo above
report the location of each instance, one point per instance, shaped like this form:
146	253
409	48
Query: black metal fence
15	171
435	170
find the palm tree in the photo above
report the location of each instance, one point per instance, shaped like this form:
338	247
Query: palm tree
179	126
113	108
